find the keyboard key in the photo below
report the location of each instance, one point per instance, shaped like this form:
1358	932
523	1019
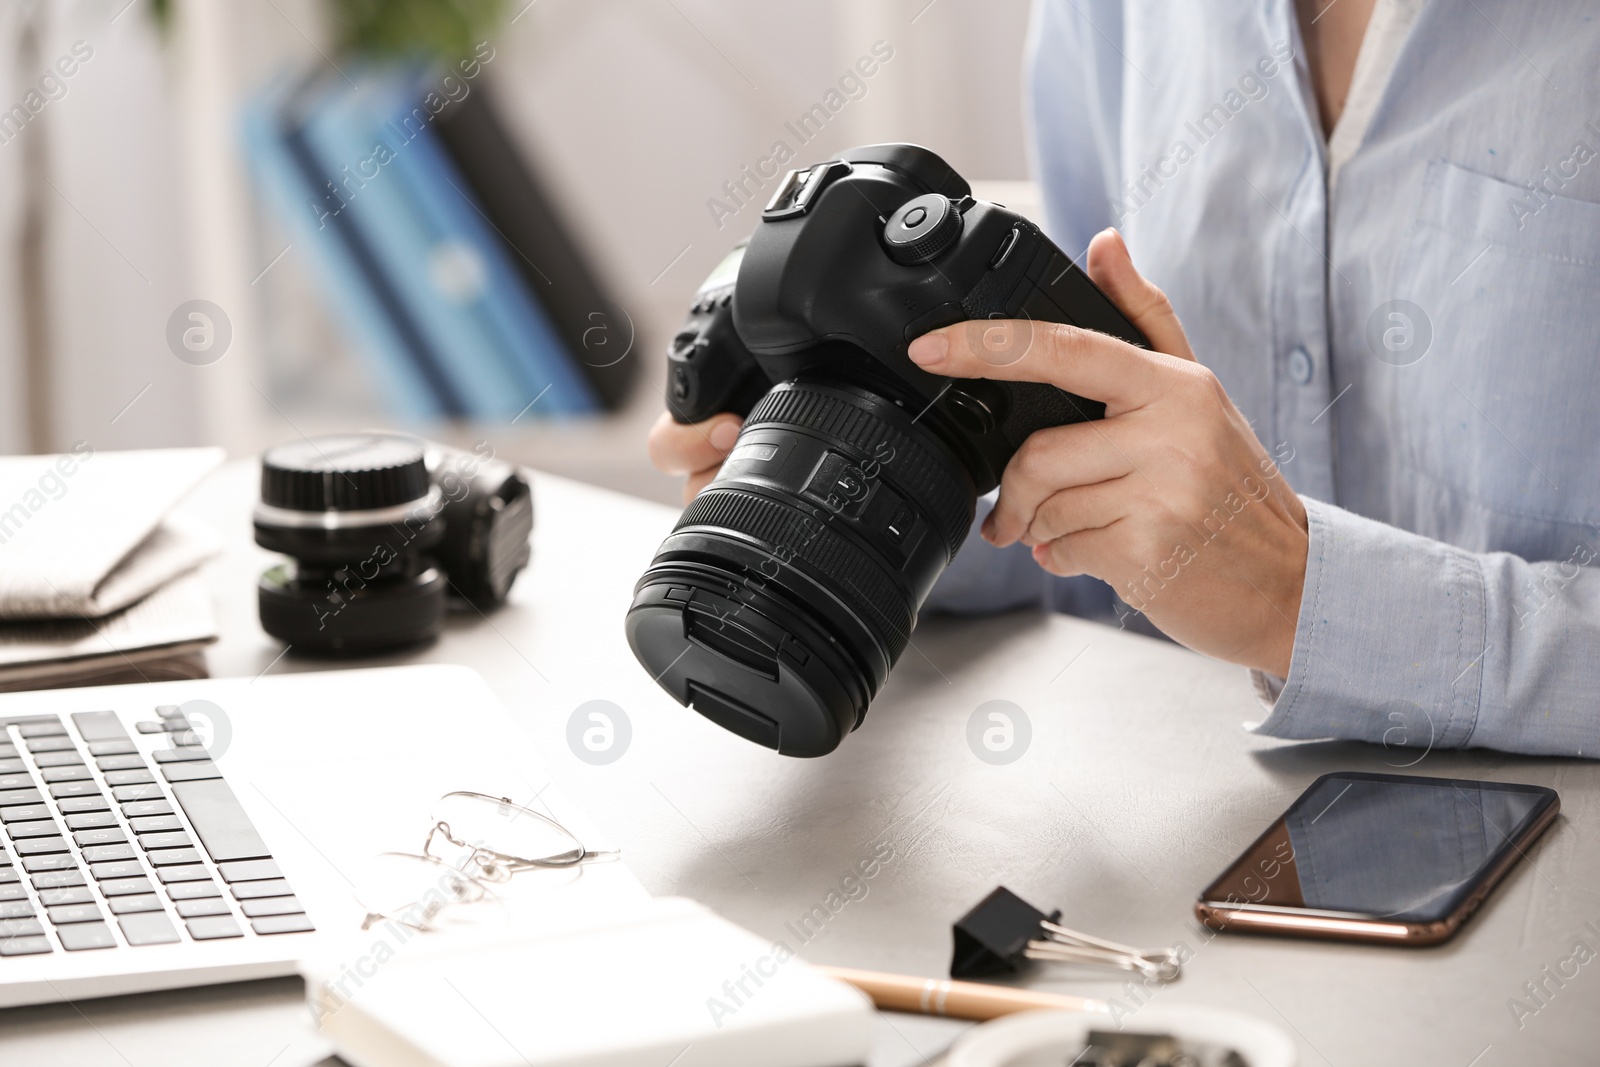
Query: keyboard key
24	813
61	914
60	743
169	711
21	780
8	873
38	846
87	802
43	728
7	749
12	766
108	835
187	739
12	890
180	755
58	759
137	902
150	727
75	773
149	791
37	828
126	887
256	909
190	772
194	909
112	748
74	789
24	946
61	861
16	909
139	777
91	820
220	821
20	927
193	890
249	870
81	936
116	869
78	894
99	726
212	927
175	724
169	857
150	823
255	890
126	762
148	928
107	853
19	796
174	839
135	809
57	879
187	873
282	924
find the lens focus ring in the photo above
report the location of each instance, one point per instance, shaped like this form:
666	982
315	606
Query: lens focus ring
937	484
795	534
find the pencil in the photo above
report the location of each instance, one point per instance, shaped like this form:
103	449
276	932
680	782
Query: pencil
957	1000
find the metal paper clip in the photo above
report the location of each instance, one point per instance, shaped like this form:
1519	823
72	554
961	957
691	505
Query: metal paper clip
1060	945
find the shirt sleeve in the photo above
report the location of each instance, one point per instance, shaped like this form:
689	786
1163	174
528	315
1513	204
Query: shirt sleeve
1407	641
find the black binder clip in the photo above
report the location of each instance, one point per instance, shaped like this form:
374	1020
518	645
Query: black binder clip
1004	933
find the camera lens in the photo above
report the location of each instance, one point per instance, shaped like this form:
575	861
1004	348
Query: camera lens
790	585
358	515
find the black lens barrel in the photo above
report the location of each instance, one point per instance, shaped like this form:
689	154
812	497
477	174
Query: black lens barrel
790	585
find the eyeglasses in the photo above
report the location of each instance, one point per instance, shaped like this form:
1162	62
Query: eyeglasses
476	841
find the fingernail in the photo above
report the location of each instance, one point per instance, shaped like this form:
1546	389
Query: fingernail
928	349
987	530
723	435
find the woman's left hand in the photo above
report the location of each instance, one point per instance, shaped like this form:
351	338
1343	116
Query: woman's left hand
1170	498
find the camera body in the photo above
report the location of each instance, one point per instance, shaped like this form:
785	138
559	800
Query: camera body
381	530
790	585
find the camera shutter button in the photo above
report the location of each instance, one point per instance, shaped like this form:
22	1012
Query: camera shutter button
921	229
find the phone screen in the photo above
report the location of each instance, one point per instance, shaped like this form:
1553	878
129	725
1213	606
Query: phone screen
1400	848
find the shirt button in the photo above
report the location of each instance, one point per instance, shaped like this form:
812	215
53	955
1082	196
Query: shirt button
1300	366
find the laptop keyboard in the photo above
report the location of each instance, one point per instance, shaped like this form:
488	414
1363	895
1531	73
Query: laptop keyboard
105	848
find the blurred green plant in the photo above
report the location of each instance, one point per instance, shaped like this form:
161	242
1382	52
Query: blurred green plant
439	29
442	29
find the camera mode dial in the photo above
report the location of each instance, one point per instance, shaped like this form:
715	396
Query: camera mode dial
923	228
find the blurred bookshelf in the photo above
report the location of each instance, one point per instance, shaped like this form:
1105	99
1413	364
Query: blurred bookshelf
635	124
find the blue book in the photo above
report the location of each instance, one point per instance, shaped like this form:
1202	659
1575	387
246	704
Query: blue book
359	158
522	334
284	169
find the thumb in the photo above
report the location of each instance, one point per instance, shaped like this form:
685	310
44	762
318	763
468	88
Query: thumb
1111	268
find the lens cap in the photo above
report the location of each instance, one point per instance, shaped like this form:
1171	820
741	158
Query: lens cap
777	685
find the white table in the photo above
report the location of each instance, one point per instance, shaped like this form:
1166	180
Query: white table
1138	787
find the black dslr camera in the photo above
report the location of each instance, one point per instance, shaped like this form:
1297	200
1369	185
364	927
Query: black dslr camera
789	587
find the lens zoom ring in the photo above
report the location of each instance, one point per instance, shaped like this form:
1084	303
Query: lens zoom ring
839	563
932	484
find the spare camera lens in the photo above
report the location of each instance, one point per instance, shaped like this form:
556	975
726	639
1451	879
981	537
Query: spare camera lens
357	514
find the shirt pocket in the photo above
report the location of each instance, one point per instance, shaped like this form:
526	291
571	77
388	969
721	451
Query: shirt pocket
1503	404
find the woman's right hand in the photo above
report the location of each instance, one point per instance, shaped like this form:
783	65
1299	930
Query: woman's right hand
695	451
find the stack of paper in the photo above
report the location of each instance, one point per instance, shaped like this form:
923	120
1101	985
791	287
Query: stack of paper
98	583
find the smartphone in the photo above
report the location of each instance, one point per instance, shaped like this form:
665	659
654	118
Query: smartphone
1389	858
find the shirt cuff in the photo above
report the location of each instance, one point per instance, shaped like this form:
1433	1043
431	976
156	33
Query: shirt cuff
1389	641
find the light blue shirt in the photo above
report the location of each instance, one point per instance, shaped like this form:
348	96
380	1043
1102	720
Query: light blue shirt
1424	341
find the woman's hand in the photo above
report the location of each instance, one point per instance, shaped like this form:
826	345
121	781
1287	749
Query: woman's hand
696	451
1171	498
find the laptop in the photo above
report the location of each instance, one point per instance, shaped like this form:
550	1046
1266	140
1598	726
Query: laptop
188	833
